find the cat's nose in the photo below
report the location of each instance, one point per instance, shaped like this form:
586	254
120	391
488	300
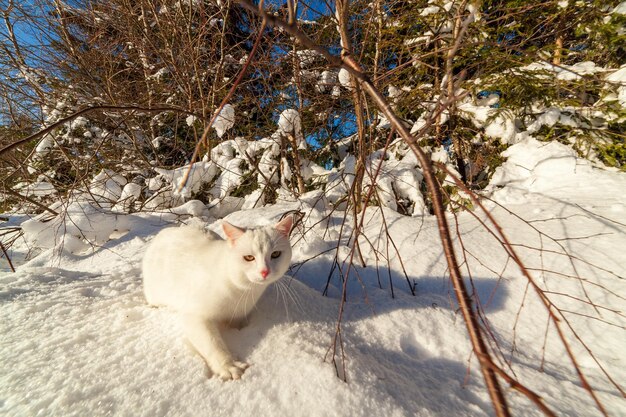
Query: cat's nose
265	272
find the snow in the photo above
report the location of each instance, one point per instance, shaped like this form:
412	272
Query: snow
130	193
160	74
290	122
549	118
224	120
310	170
340	181
417	40
268	165
564	72
80	226
106	187
429	10
344	78
190	120
38	189
620	8
45	145
619	77
307	57
231	177
393	92
79	339
326	80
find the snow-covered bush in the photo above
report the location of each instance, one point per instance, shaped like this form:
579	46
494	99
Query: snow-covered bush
293	124
192	111
79	228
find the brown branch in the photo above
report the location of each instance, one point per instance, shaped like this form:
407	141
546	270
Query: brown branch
471	321
87	110
30	200
296	161
230	93
548	304
6	255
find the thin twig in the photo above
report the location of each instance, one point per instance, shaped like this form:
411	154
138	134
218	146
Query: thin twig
6	255
225	100
91	109
347	62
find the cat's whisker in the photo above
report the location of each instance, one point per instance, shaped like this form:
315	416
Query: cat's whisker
254	304
295	298
247	296
245	305
282	293
295	295
276	294
243	298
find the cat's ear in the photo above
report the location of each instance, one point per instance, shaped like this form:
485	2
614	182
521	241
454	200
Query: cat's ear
232	232
284	226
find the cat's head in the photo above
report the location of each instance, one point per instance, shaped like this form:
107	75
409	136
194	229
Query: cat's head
262	254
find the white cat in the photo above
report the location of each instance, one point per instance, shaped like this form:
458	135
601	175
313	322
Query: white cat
213	282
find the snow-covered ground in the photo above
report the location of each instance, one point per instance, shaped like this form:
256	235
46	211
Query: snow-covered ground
78	338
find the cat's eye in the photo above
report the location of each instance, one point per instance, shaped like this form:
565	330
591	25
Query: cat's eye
249	258
275	254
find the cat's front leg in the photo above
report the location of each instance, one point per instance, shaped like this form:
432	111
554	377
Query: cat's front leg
206	338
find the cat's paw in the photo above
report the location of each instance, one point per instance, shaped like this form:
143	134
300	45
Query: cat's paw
231	370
